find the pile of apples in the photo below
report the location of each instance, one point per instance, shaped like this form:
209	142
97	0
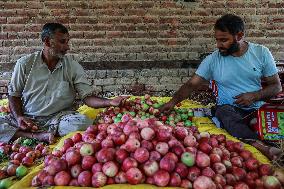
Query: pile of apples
20	156
136	151
4	110
144	108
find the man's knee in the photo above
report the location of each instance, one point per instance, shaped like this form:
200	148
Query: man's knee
74	123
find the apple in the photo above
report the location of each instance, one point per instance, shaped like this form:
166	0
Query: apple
21	171
120	178
73	157
88	162
62	178
141	155
105	155
77	137
193	173
97	167
121	155
161	178
85	179
181	169
204	182
6	183
134	176
129	163
147	133
162	148
188	159
11	170
110	169
155	156
48	181
76	170
99	179
150	167
251	164
87	149
167	164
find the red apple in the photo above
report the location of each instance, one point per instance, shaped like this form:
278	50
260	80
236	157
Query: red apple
76	170
99	179
85	179
110	169
134	176
161	178
62	178
88	162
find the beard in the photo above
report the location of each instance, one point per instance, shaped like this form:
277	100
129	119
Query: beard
55	54
235	47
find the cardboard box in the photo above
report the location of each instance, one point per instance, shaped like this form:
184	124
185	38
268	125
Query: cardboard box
270	122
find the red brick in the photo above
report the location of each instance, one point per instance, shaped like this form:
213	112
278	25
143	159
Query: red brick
32	27
13	27
114	34
28	12
14	5
76	34
201	12
94	34
18	20
6	13
3	35
137	12
13	43
55	4
60	12
81	12
137	34
87	20
168	4
3	20
276	5
81	27
131	19
77	4
35	5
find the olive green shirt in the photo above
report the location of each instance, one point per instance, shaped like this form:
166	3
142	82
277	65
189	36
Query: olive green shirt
46	92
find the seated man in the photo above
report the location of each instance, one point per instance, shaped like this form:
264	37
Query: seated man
42	92
237	68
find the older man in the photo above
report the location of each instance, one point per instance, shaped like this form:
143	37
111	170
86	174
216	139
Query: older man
42	92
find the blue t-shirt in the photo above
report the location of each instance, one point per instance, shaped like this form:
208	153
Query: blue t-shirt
237	75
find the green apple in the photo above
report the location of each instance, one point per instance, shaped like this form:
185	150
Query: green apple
132	114
86	149
145	107
184	117
117	119
21	171
188	159
156	105
187	123
5	183
119	115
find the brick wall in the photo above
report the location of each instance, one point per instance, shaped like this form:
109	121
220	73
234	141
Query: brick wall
134	31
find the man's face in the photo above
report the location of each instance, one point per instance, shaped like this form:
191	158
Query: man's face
226	43
59	44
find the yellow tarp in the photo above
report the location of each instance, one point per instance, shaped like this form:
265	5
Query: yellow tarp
203	124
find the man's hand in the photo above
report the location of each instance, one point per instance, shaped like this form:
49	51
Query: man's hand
26	124
246	99
166	108
118	101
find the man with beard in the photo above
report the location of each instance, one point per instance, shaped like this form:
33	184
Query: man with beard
237	67
42	92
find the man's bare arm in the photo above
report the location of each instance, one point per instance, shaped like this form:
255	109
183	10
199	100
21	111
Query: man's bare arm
16	107
97	102
273	86
184	91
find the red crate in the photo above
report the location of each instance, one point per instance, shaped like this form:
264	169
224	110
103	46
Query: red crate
270	122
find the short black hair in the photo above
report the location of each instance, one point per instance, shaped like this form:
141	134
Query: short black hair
49	29
230	23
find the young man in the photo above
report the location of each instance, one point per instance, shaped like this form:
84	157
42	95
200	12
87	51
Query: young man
237	67
42	92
